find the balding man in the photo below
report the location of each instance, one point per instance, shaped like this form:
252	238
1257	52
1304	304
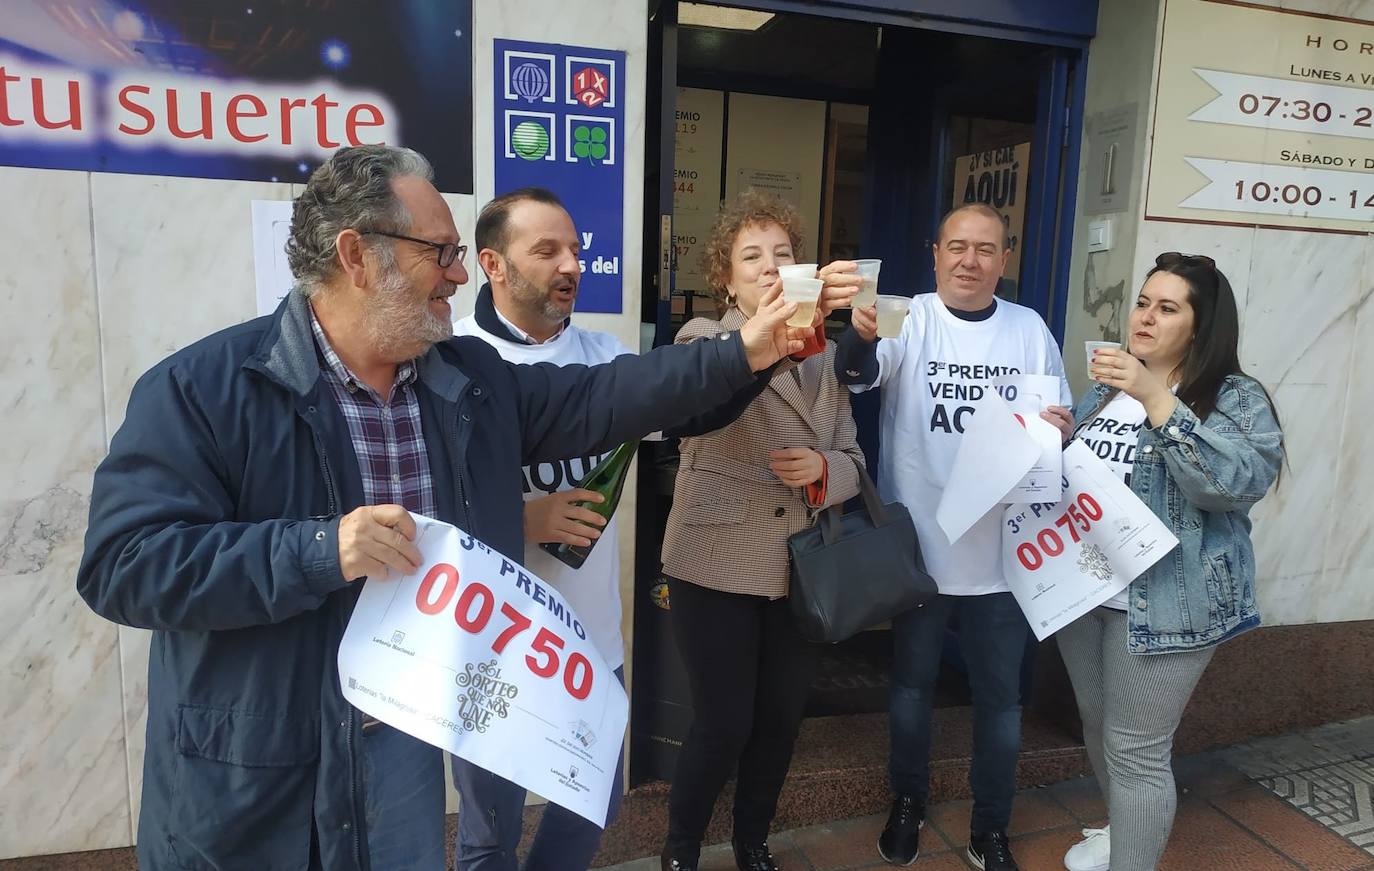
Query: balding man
960	335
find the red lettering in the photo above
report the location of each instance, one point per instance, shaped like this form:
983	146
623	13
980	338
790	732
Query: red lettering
544	643
322	104
73	106
462	614
351	122
206	129
232	115
5	79
424	596
286	107
141	111
518	623
578	689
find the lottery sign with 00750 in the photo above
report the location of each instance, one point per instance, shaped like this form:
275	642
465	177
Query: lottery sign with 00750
1065	559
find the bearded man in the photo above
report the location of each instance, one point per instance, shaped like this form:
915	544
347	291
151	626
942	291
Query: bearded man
265	470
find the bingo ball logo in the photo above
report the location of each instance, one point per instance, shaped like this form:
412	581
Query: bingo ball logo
530	81
530	140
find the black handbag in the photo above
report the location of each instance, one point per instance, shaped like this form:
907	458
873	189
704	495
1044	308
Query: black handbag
852	571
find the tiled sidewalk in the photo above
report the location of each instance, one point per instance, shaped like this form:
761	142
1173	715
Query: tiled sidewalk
1297	802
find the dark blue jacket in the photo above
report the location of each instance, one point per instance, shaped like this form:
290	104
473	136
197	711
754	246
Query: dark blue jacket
214	522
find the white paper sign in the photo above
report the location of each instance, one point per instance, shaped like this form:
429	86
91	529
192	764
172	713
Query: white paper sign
995	453
1027	396
271	229
474	654
1064	560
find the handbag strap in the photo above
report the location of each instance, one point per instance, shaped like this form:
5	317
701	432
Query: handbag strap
873	507
876	512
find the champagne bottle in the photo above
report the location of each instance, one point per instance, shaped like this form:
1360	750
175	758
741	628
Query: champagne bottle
608	479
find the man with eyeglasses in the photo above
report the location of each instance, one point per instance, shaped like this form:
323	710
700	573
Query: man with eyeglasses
262	472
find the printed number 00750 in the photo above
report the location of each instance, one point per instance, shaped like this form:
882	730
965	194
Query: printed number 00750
577	671
1081	514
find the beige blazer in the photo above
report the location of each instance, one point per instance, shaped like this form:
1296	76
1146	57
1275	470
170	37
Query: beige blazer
731	517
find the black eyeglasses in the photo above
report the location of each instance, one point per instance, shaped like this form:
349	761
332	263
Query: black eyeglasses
1172	258
448	251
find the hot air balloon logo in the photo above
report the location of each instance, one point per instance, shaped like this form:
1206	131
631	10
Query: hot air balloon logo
530	81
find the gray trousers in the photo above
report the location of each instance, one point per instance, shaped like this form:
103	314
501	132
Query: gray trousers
1131	705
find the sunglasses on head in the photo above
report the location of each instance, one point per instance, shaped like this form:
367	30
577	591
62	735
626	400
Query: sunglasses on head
1174	258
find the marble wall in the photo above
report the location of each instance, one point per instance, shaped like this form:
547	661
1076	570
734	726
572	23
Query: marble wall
104	276
1304	301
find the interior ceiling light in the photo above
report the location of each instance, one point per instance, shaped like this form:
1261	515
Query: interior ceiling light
722	17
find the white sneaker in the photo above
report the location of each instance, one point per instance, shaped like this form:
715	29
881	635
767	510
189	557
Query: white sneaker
1091	853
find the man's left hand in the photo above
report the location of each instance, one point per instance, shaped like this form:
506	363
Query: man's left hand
1062	419
766	336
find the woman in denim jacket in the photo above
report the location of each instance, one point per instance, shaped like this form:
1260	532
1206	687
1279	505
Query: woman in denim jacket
1199	442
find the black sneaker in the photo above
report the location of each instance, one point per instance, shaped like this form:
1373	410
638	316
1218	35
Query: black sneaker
679	858
900	842
753	857
668	863
991	851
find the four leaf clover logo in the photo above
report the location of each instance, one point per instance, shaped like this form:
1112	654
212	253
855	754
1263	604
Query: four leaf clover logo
590	142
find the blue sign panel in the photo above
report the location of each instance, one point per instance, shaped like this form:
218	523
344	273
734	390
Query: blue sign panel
559	124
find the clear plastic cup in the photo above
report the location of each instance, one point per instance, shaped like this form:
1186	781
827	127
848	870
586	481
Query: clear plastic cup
892	311
797	270
1093	346
868	294
805	292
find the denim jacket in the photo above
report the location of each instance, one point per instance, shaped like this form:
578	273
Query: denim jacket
1201	478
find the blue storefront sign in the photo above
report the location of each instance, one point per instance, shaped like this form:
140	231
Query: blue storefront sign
559	124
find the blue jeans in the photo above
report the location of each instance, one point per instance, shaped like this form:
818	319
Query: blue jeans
992	636
490	816
403	798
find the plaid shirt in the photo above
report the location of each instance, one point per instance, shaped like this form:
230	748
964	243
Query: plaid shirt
386	432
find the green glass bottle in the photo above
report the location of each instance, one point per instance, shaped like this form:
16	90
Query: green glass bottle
608	479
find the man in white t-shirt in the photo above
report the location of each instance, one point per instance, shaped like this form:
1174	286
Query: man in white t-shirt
530	251
953	343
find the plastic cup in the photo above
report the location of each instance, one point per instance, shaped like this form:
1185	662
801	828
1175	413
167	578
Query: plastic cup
868	294
797	270
892	311
805	292
1093	346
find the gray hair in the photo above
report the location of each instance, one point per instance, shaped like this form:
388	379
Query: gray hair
350	190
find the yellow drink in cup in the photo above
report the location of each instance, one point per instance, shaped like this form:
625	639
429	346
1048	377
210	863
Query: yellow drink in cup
868	294
892	312
805	292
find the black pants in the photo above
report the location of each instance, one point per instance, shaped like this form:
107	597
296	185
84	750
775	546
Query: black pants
749	672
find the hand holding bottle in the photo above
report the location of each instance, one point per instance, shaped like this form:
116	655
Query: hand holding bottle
604	485
558	519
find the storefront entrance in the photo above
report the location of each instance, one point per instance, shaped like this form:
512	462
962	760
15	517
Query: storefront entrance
872	122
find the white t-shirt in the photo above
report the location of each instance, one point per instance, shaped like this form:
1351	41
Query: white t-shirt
1113	436
593	590
930	376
